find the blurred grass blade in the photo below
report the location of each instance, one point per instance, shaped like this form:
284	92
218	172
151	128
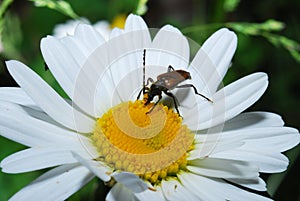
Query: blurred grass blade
256	28
281	41
4	6
231	5
264	29
141	7
58	5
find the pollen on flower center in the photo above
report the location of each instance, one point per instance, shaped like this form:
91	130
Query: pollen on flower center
152	145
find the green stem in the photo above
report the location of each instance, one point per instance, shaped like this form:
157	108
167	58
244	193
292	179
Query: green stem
212	26
219	12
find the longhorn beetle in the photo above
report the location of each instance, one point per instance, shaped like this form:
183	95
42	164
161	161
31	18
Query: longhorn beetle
165	83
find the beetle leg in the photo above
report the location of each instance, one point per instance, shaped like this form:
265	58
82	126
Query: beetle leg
150	80
144	90
138	97
174	99
159	98
170	68
195	90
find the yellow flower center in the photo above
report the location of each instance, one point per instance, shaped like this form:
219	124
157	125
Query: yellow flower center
118	21
153	145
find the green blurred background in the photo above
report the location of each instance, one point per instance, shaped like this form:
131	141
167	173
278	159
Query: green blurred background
25	24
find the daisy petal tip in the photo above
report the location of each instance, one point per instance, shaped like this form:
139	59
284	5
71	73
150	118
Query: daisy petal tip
132	17
263	77
13	65
170	28
135	23
46	43
45	39
227	32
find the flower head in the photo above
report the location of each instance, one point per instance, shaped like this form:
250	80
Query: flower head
103	27
143	149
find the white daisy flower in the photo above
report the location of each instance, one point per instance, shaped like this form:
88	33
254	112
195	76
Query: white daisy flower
140	152
68	28
103	26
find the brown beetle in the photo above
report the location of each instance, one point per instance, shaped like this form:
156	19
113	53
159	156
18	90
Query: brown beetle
164	83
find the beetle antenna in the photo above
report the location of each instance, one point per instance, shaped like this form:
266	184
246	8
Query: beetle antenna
144	67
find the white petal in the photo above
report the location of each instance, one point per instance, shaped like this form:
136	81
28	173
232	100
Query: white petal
257	184
17	125
56	184
155	195
19	137
67	28
67	67
164	51
113	74
107	76
126	76
134	23
266	162
269	139
16	95
102	79
39	114
207	144
78	51
174	190
272	139
103	27
213	59
89	38
206	73
194	187
230	101
99	169
253	120
60	62
39	158
223	168
130	181
249	120
134	35
222	190
41	93
115	32
119	192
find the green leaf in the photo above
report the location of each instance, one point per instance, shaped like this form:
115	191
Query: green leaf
58	5
231	5
256	28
